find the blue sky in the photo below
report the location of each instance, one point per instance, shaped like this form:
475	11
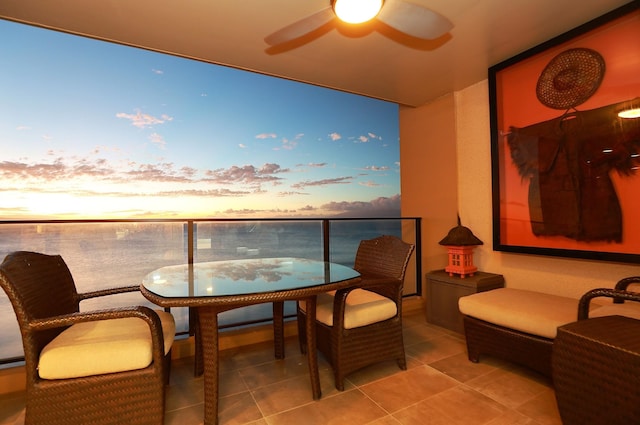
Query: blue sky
91	129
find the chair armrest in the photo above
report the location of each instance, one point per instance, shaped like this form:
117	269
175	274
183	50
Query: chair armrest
623	284
583	304
107	291
142	312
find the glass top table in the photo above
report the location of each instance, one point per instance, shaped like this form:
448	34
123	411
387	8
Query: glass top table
217	286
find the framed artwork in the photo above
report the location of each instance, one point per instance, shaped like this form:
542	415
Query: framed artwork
566	143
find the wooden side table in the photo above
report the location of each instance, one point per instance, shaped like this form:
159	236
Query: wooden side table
443	292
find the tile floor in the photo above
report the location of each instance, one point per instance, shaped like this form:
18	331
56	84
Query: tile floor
440	387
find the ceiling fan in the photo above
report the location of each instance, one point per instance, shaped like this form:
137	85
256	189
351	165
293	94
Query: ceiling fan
404	16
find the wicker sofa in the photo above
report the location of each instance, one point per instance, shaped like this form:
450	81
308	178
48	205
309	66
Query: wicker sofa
520	326
596	362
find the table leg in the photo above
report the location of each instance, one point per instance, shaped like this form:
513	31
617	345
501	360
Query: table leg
209	337
312	352
278	329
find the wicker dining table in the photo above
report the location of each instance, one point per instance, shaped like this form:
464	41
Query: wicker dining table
218	286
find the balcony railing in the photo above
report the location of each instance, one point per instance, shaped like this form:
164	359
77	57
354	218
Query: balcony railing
107	253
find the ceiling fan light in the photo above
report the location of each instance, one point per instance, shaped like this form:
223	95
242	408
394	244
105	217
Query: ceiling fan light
630	113
356	11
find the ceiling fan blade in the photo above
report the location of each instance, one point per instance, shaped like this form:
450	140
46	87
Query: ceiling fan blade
301	27
414	20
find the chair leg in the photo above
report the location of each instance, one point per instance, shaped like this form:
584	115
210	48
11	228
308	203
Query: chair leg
302	333
167	367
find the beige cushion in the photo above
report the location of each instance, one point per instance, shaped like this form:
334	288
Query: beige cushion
531	312
104	346
362	308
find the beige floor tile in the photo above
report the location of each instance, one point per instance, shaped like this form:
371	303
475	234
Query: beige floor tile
511	417
457	406
461	369
349	407
436	348
543	408
238	409
418	333
291	393
387	420
379	371
276	371
192	415
404	389
440	387
12	408
507	387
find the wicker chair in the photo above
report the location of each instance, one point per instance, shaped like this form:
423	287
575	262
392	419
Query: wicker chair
85	367
357	327
596	363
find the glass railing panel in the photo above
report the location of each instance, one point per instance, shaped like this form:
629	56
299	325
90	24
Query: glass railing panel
99	255
105	253
225	240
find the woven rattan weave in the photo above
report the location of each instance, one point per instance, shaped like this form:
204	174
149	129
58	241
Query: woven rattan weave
596	363
44	298
484	338
382	263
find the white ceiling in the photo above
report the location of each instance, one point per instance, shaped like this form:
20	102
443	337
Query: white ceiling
375	61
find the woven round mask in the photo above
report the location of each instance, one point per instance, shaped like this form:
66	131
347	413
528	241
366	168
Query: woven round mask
570	78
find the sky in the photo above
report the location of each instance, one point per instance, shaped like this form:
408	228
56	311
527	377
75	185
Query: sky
91	129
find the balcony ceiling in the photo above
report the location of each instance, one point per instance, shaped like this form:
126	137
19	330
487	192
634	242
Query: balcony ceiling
374	61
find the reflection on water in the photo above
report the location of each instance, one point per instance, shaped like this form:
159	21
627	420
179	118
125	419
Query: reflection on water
108	254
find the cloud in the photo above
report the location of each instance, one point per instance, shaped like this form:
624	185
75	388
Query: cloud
290	144
367	138
323	182
369	184
23	128
376	168
247	174
290	193
141	120
379	207
266	136
271	168
335	136
242	146
158	140
157	71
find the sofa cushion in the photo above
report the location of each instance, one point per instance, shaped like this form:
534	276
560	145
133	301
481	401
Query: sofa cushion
628	309
362	308
526	311
104	346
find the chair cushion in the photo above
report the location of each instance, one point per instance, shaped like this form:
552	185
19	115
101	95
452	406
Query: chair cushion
362	308
535	313
104	346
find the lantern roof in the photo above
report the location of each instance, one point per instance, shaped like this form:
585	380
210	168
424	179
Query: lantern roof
460	236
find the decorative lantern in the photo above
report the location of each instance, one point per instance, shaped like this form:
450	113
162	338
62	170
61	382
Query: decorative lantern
460	242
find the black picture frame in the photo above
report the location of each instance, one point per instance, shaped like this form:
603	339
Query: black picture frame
517	105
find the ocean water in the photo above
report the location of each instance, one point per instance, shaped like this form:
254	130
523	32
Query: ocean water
108	254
